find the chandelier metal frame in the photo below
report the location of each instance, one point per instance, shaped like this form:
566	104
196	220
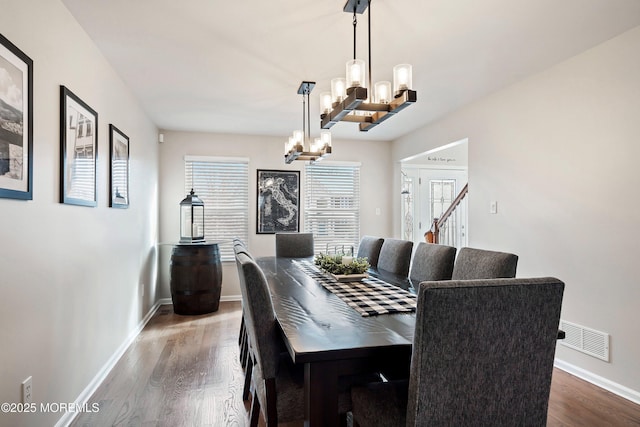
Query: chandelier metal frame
356	98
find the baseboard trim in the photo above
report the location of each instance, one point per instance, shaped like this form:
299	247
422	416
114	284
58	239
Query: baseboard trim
615	388
224	298
83	398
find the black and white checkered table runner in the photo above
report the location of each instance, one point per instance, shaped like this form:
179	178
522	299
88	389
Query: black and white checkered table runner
369	297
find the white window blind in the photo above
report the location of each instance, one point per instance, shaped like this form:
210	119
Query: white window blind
223	186
332	205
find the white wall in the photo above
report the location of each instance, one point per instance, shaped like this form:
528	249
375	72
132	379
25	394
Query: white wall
559	152
264	152
70	275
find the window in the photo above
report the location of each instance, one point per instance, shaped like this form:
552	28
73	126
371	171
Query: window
332	205
223	185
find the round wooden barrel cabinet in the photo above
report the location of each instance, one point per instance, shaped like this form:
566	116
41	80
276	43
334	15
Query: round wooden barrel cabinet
196	278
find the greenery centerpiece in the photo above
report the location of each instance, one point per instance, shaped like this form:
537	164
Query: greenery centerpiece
343	267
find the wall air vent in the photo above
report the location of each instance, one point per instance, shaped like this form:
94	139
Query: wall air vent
589	341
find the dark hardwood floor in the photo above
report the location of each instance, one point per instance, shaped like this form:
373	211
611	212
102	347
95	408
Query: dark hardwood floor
184	371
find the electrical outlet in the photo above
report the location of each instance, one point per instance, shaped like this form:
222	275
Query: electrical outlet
493	207
27	391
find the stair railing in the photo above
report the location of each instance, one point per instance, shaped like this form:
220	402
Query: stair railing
440	224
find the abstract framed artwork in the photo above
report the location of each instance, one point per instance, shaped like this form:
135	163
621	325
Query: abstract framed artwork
278	201
119	168
78	150
16	122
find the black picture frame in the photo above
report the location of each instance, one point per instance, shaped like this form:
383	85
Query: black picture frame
78	150
119	168
16	123
278	201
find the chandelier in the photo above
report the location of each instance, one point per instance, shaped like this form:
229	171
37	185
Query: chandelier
294	149
349	100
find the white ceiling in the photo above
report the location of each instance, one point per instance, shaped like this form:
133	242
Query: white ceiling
235	66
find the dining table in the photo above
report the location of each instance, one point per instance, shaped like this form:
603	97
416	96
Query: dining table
329	337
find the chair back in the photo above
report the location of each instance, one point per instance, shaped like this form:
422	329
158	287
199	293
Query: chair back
369	248
395	256
482	264
483	352
239	246
432	262
294	245
260	319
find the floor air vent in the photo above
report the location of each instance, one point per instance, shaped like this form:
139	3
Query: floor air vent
589	341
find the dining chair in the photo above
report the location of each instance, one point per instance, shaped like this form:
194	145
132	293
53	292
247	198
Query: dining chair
482	355
395	256
294	245
240	246
369	248
474	263
245	356
432	262
278	383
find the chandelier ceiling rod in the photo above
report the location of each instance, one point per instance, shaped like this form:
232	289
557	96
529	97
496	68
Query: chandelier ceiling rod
355	24
369	43
304	88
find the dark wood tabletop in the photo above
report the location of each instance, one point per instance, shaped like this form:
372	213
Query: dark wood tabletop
330	338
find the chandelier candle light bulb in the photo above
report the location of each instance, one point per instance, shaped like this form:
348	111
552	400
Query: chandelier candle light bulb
325	102
383	92
402	78
356	73
338	89
325	137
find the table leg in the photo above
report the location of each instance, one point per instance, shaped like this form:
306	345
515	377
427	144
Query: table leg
321	394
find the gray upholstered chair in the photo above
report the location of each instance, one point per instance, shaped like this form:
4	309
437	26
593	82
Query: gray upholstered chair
482	355
369	248
482	264
246	361
294	245
395	256
278	383
239	246
432	262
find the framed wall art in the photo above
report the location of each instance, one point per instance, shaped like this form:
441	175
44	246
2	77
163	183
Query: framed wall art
78	150
16	122
119	168
278	201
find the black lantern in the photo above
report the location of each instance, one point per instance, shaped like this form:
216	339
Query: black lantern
191	219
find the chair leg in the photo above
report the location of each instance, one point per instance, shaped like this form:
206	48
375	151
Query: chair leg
272	411
254	416
344	420
247	379
244	351
242	331
242	343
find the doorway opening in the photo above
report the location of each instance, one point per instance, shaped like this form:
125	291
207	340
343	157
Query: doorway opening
430	183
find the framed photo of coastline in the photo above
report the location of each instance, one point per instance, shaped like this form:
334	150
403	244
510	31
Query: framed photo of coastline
78	150
278	201
119	168
16	122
